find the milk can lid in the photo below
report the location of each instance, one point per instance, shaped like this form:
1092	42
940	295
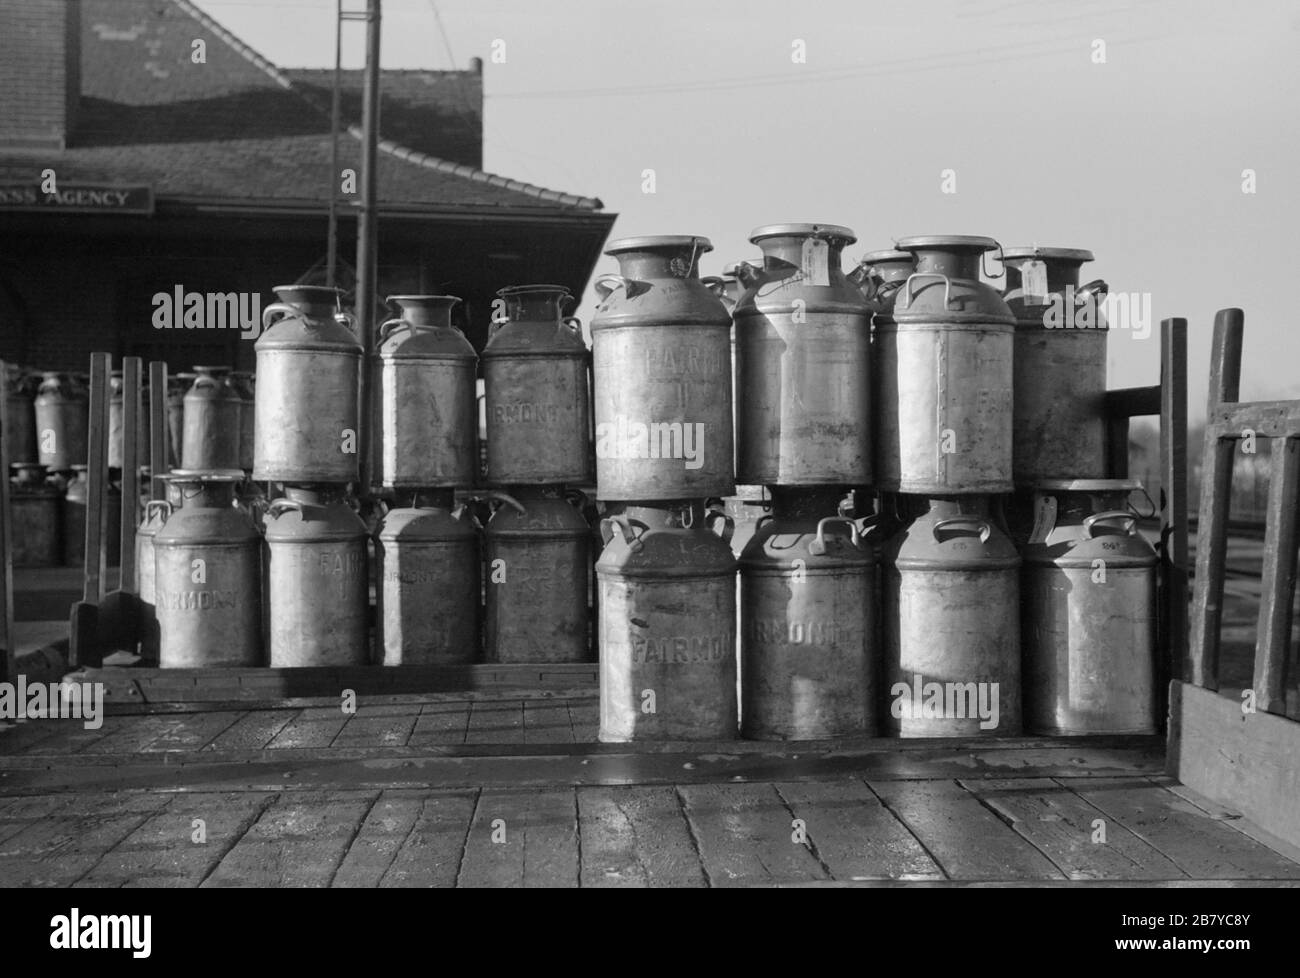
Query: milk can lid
833	232
644	242
1079	255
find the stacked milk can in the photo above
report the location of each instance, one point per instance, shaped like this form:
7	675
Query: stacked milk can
664	445
538	543
427	549
1089	578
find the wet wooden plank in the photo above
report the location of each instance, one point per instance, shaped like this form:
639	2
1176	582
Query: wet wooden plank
304	732
441	723
180	845
636	836
376	731
584	716
496	723
300	840
1201	845
522	838
745	835
547	722
58	850
381	836
431	855
854	835
193	732
967	840
1078	838
252	730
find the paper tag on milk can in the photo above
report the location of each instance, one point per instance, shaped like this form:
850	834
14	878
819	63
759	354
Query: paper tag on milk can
1033	282
816	262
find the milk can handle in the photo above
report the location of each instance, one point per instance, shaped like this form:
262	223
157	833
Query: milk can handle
985	529
160	504
574	324
862	279
749	275
509	500
279	505
1001	261
715	284
817	546
604	287
283	308
390	326
1113	515
728	524
629	535
947	287
1095	290
345	319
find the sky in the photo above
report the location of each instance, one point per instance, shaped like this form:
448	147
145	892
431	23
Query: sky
1129	129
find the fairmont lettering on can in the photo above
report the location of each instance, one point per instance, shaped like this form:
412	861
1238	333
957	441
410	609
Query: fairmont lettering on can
83	198
684	648
525	413
781	632
195	600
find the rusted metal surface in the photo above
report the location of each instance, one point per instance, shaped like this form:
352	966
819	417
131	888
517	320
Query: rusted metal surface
307	398
662	375
535	369
428	422
538	558
207	578
667	625
809	641
803	354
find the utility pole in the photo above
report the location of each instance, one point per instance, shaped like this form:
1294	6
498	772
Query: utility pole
367	243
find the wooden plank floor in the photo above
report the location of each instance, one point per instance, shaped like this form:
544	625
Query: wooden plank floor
503	790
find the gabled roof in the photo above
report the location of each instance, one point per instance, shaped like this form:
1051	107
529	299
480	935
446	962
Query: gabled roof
238	128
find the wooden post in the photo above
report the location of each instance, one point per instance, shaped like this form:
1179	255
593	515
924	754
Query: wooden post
1173	504
8	650
1273	635
1216	487
158	430
83	645
130	470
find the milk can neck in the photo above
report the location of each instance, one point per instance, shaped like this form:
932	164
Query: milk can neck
313	301
789	248
312	495
814	502
952	263
206	495
535	304
428	312
1061	274
974	505
656	263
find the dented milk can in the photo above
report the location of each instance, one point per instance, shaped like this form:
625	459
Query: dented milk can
1060	366
428	417
207	577
317	585
34	517
538	565
944	369
661	375
211	422
951	613
308	384
1089	583
667	625
62	410
428	583
809	651
536	368
803	354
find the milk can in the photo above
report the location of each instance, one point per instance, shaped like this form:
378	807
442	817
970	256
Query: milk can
880	274
207	578
177	385
210	435
117	422
667	612
1089	609
662	375
945	374
74	520
20	436
1060	366
34	521
317	585
803	354
951	618
242	383
428	418
308	383
62	410
156	512
535	368
809	648
428	591
538	564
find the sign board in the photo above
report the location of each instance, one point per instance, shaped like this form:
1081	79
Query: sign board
78	198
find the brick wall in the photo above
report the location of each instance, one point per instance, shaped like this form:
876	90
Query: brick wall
40	71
